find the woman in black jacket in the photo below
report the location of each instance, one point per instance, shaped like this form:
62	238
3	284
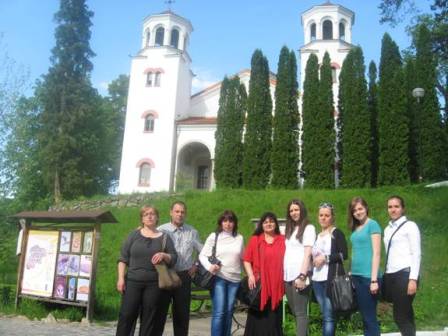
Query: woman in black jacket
329	251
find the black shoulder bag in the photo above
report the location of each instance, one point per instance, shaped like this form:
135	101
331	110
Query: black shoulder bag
203	278
385	294
250	297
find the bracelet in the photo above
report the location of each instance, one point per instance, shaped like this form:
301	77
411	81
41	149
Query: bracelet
374	281
302	277
327	258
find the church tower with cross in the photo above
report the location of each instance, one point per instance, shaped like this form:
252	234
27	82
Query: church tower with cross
169	138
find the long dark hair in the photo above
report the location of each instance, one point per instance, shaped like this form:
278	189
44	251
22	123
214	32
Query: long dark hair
259	229
301	223
231	217
352	222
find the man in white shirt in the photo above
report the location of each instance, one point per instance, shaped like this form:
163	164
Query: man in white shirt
403	255
186	241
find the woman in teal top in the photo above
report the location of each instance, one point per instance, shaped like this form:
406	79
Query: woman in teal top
366	252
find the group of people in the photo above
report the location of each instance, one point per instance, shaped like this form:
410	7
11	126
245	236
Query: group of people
296	263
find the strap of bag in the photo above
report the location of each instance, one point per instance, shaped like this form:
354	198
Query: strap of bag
163	242
214	246
388	245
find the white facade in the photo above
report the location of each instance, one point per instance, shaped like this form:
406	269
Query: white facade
169	136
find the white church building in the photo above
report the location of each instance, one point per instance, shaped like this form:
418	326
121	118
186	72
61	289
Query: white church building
169	136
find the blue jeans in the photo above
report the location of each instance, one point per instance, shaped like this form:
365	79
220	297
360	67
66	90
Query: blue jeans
320	292
366	305
223	298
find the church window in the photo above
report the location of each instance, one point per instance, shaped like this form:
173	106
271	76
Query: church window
342	31
203	176
334	75
160	35
148	36
327	30
149	79
174	38
313	32
145	174
149	123
157	79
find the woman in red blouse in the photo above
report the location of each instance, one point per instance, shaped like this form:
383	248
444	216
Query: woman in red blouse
263	259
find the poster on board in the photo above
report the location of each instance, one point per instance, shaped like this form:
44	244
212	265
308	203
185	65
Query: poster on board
40	263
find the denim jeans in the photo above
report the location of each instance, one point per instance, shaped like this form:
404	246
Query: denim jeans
366	305
223	298
320	292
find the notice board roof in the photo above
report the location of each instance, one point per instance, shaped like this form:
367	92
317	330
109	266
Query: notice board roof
95	216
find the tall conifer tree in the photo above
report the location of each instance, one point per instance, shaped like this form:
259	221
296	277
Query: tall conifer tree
229	132
430	139
355	122
257	140
318	124
72	135
372	102
285	155
393	126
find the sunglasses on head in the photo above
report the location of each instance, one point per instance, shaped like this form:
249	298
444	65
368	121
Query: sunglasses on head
325	205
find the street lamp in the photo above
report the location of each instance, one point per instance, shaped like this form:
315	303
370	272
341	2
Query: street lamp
418	93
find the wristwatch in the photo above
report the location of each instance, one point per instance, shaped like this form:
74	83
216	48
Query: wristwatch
302	277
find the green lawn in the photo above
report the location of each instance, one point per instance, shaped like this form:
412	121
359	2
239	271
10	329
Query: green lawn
428	207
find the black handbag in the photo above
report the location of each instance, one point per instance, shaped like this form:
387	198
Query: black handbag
386	295
202	277
342	293
249	297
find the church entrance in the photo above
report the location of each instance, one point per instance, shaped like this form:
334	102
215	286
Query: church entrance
193	167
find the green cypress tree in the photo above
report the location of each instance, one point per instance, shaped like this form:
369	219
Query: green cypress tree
318	124
393	128
228	135
372	102
430	138
285	154
411	105
73	135
257	140
355	126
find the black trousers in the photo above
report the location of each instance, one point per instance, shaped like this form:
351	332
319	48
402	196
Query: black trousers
180	309
397	286
147	299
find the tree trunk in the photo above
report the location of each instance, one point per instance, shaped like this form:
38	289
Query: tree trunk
57	188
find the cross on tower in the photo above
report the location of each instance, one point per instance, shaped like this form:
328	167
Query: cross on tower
169	3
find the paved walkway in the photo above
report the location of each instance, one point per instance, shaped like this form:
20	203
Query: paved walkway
21	326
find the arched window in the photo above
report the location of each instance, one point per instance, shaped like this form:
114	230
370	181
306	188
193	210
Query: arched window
157	79
147	37
342	31
334	74
145	174
313	32
149	79
149	123
327	30
174	38
160	34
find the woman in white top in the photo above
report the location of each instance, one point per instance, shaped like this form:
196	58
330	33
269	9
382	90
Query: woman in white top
402	264
229	249
300	236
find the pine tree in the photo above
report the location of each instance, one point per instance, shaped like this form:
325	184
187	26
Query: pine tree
257	140
355	126
285	153
430	146
318	124
393	129
73	135
229	132
372	103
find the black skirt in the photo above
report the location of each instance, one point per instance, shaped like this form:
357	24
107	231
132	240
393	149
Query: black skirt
265	323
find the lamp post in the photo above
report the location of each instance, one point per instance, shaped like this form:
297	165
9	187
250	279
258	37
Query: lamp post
418	93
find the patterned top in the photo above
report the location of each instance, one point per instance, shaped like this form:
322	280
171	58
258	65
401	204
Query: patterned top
186	240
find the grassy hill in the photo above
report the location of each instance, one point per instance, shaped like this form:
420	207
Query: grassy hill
427	207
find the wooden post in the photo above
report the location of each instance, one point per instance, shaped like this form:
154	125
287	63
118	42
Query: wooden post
25	233
95	248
